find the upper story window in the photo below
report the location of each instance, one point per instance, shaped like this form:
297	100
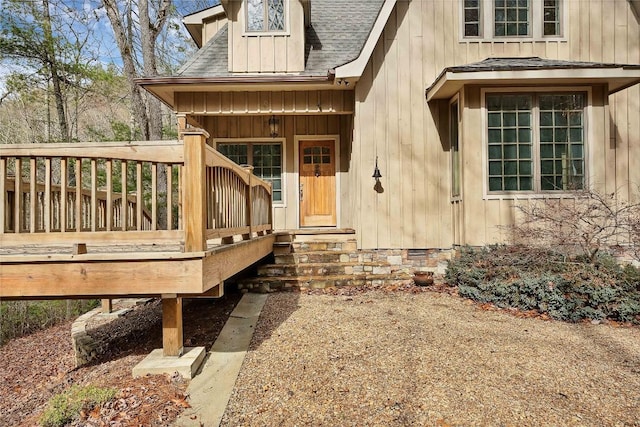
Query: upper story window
265	15
511	18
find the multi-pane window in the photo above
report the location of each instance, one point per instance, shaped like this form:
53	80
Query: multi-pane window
551	18
535	141
266	159
561	141
471	18
510	142
265	15
511	18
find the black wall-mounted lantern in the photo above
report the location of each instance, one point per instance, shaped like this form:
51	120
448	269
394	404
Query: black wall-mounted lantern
376	172
274	125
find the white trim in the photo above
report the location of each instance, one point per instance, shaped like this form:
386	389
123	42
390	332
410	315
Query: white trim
266	140
536	193
536	25
284	33
450	82
355	68
458	197
200	17
296	171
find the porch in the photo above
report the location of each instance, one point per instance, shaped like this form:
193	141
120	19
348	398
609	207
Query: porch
170	219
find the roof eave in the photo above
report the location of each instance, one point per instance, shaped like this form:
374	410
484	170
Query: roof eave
194	22
617	79
164	88
355	68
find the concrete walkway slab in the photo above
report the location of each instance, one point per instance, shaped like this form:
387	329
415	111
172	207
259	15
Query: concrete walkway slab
210	391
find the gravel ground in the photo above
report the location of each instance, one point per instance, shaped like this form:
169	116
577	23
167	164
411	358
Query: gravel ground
424	358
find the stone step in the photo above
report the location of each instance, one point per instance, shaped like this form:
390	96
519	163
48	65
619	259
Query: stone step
325	257
317	246
273	284
319	269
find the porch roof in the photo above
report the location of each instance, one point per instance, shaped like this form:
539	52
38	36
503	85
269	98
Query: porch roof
532	71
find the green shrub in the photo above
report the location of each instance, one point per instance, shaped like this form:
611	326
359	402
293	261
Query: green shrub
19	318
533	279
65	407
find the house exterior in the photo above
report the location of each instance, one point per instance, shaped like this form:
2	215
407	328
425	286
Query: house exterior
465	107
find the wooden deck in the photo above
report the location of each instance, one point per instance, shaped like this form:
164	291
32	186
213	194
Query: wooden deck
65	231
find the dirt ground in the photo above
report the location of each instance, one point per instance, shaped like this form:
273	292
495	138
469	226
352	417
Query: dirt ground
431	359
395	357
36	367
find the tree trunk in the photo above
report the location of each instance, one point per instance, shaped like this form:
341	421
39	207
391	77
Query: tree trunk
52	66
146	108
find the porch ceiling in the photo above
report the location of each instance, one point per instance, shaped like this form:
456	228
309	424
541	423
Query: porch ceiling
532	72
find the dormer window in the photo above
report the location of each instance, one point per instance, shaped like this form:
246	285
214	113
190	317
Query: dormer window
266	15
512	19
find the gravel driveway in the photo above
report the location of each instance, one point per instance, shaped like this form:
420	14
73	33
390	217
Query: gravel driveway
399	358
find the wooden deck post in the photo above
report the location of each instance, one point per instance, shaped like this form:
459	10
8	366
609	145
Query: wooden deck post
194	191
107	305
249	205
172	338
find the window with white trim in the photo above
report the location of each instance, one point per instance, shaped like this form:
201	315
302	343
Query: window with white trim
265	157
266	15
511	18
535	141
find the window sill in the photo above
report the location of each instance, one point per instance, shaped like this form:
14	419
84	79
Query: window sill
266	34
512	39
521	195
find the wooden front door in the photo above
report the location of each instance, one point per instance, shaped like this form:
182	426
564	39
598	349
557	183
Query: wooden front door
317	184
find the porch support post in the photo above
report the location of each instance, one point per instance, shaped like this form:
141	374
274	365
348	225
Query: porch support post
172	334
194	191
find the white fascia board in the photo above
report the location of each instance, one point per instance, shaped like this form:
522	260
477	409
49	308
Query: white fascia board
617	79
199	17
355	68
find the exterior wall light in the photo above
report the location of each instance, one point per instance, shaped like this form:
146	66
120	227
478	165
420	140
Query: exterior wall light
274	126
376	172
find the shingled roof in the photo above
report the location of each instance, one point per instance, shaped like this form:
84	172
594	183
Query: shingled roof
336	36
531	63
532	70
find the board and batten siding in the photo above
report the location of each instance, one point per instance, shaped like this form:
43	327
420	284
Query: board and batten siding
211	27
256	128
394	123
290	102
268	53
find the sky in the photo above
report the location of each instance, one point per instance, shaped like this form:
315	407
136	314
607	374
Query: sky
100	34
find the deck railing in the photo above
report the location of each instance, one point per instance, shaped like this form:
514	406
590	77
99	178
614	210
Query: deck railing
76	193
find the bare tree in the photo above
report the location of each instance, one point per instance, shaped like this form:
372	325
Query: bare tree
139	24
583	224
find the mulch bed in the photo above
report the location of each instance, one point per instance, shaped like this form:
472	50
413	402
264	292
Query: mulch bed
38	366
